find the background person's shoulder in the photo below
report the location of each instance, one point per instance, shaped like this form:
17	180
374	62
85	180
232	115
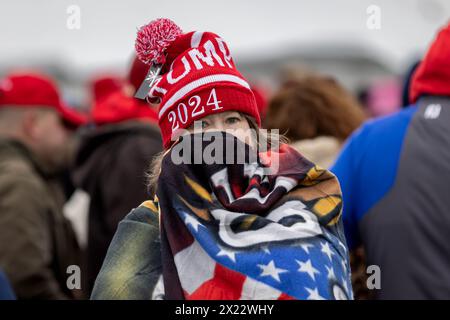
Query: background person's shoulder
17	172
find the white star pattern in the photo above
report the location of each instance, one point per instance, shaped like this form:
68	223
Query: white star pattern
271	270
344	265
309	261
314	294
306	246
265	249
330	272
192	221
227	253
345	285
326	250
343	246
339	293
308	268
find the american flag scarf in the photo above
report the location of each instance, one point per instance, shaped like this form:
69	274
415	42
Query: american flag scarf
230	231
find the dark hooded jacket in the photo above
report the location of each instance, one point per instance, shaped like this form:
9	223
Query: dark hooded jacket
110	166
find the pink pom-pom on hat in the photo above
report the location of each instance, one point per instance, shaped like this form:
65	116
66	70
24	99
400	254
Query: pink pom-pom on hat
152	40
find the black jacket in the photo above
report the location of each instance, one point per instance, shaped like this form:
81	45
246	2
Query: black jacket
110	166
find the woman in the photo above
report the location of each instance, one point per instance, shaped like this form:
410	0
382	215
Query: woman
317	115
232	219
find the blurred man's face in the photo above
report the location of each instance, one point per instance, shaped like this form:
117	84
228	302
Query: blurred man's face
52	140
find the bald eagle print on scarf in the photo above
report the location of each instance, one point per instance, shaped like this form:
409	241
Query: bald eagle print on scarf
229	231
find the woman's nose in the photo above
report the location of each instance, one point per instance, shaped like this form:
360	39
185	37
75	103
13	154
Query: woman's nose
219	125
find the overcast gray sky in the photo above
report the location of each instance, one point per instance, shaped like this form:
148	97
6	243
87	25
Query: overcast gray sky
36	29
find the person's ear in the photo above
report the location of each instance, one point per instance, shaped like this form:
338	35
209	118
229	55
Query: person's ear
30	124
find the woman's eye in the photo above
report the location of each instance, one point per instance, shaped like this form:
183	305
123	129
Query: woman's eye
204	124
233	120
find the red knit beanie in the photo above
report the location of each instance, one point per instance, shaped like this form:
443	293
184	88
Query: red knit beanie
198	76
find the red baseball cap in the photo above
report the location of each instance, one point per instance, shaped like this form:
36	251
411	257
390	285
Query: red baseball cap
30	90
112	103
103	86
118	107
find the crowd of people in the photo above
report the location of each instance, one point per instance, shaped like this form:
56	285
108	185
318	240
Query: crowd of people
349	189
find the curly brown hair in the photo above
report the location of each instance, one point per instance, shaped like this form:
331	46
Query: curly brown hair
312	106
